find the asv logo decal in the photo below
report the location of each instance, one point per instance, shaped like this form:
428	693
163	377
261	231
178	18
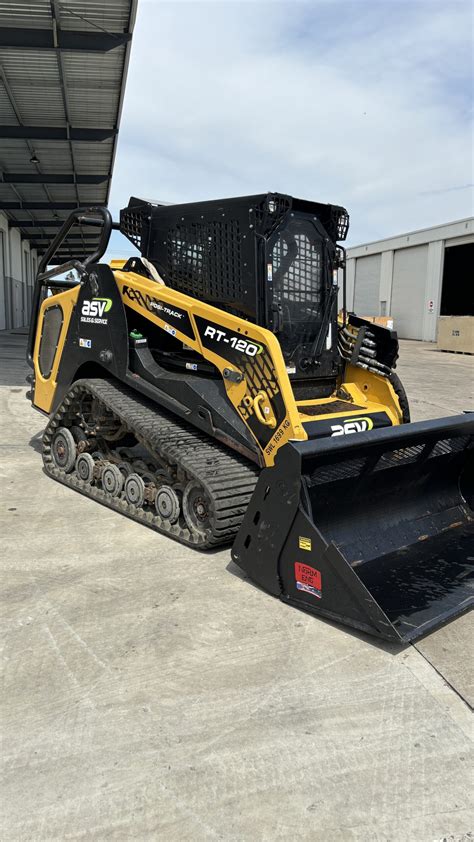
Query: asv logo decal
93	311
352	425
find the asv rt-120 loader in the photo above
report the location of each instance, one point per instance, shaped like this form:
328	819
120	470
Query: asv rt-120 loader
209	390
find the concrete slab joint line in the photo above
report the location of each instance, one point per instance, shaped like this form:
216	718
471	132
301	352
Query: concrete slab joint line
151	693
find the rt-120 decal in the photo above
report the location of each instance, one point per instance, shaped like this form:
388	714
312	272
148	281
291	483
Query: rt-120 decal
234	340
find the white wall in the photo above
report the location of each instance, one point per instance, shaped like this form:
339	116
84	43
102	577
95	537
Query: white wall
16	277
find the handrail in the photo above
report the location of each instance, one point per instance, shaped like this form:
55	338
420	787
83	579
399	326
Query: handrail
85	216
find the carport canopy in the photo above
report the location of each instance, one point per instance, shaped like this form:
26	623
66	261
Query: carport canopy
63	67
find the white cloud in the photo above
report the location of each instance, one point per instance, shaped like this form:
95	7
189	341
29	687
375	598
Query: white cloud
363	103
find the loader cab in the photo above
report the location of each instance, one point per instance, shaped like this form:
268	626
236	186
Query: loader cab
268	258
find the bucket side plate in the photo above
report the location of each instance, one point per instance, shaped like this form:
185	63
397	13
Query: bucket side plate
375	530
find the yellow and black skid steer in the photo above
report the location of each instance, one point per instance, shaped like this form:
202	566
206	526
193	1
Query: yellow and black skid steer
210	389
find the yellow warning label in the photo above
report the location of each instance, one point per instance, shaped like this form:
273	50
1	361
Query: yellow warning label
305	543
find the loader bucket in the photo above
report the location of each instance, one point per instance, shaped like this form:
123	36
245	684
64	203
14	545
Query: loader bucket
374	530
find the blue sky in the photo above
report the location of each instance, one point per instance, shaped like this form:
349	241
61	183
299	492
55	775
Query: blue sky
365	104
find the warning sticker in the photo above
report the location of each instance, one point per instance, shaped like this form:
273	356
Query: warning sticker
304	543
308	579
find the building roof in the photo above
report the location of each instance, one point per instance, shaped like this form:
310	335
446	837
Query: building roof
63	67
447	231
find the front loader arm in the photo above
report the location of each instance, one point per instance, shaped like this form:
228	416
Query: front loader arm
247	356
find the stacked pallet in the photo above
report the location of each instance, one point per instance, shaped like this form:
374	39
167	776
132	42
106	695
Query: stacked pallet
456	334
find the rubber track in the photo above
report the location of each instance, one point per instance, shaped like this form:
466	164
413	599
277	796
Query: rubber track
228	478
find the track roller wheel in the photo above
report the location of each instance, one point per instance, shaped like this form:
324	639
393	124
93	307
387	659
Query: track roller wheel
112	479
63	450
134	490
196	508
85	467
167	503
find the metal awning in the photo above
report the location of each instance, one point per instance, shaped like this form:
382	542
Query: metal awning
63	67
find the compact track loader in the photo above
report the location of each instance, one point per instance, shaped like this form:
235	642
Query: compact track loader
209	389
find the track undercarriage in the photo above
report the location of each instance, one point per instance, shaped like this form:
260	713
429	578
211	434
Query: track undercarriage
106	443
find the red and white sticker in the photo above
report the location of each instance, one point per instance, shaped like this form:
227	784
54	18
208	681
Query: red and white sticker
308	579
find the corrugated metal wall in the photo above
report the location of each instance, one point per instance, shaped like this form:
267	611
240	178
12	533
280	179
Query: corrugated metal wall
367	284
408	291
18	265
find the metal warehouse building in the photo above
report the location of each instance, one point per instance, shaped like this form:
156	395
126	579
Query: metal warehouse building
415	278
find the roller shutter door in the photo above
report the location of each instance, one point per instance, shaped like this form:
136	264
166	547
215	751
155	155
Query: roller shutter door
408	291
367	285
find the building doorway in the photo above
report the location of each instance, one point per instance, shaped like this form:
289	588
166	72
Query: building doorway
457	298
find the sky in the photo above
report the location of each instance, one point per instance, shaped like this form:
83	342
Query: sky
362	103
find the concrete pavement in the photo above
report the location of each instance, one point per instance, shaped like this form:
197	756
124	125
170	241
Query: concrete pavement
151	692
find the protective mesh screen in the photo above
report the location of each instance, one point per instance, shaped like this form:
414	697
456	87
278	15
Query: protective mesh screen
205	259
131	221
297	275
